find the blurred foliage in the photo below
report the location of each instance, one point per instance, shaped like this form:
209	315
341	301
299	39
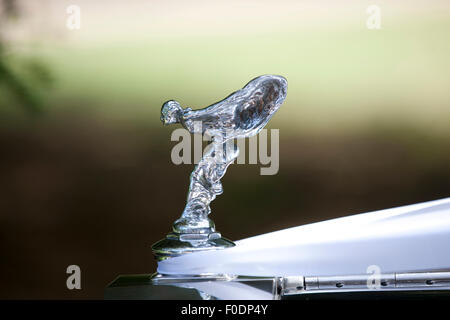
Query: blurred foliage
24	88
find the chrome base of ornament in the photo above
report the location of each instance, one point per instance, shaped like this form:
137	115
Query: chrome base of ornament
176	244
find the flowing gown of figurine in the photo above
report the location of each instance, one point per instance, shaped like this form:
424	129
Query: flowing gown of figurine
242	114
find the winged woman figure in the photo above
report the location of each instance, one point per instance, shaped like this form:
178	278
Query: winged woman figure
242	114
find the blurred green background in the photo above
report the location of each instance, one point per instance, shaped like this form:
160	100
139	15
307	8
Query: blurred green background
85	170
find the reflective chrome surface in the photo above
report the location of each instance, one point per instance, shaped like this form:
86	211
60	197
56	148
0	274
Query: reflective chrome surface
367	282
232	287
242	114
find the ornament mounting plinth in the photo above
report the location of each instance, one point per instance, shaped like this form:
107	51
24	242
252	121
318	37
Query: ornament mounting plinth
176	244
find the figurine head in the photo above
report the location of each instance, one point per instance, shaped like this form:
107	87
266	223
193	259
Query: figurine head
171	112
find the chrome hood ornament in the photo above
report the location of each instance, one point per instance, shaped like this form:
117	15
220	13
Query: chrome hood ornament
242	114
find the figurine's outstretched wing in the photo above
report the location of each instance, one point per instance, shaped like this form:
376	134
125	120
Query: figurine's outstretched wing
243	113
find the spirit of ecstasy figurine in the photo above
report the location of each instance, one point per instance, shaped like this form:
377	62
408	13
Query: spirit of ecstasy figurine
242	114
